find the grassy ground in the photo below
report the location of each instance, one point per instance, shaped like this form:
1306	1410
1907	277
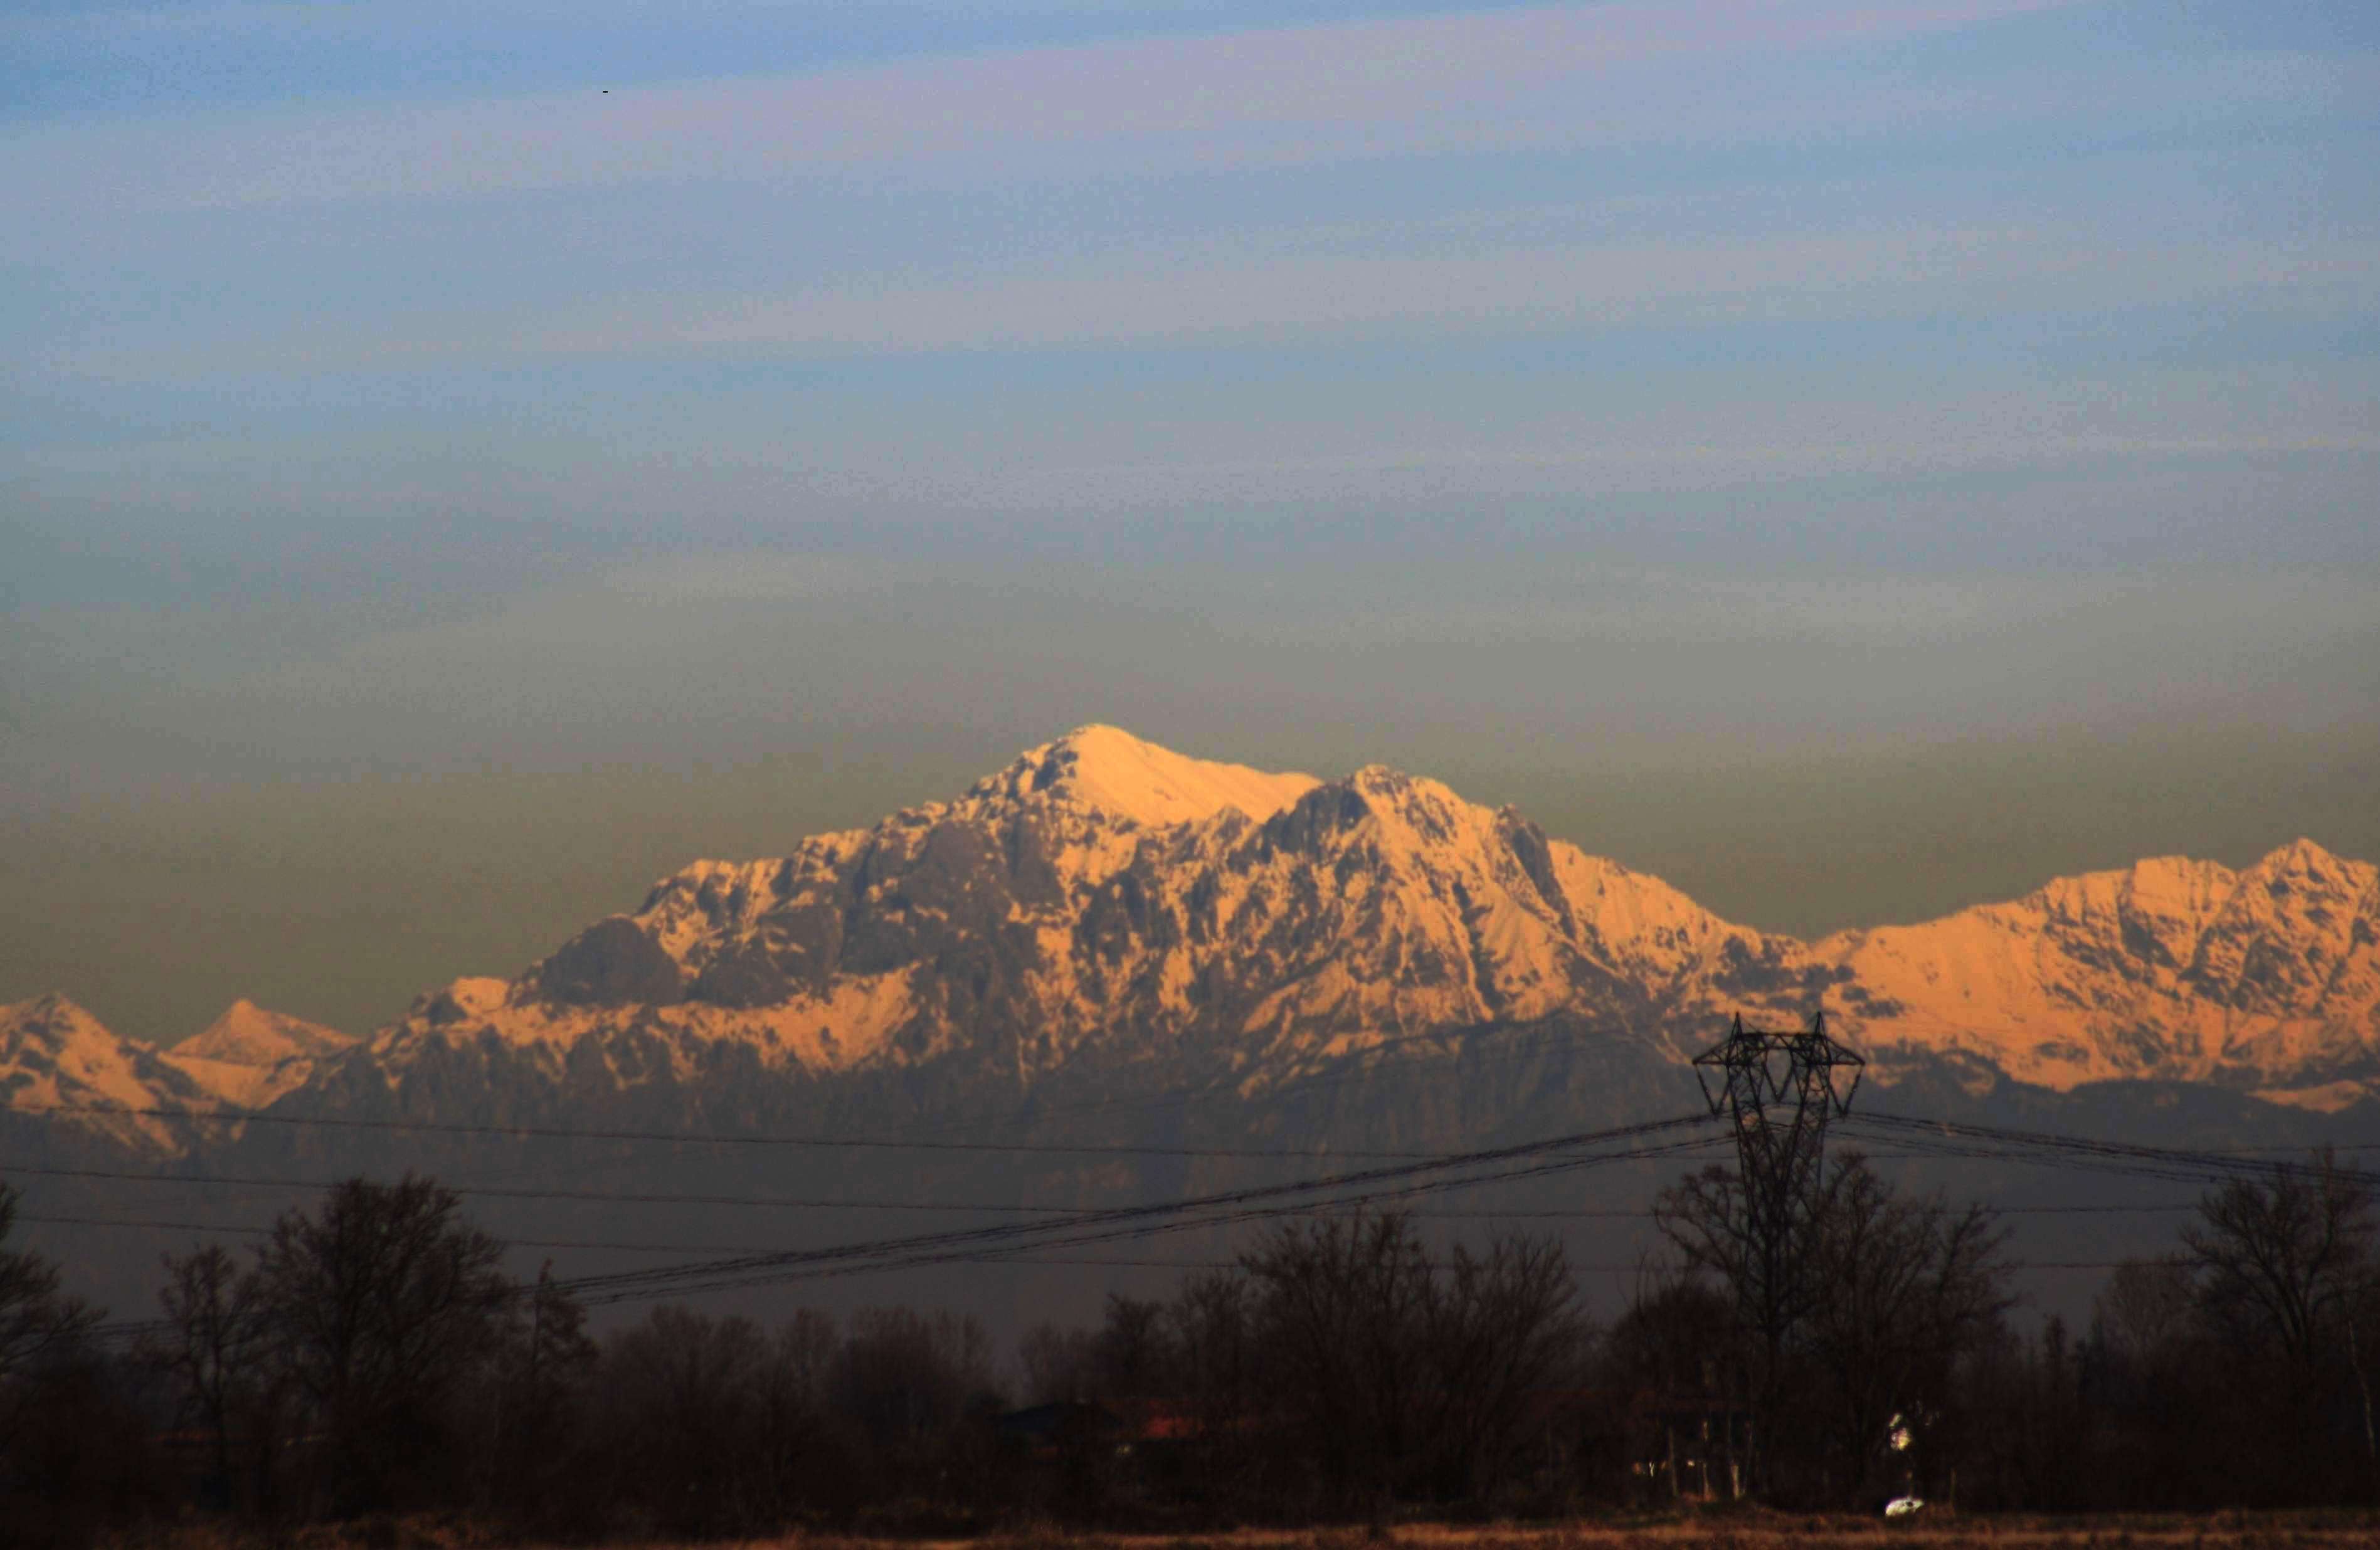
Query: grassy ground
1730	1530
1742	1530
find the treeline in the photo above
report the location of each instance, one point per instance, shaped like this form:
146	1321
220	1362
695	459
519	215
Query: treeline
371	1359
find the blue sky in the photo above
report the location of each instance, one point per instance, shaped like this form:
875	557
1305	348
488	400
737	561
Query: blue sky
1630	410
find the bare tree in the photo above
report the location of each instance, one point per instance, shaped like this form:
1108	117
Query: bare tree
1678	1334
1707	1217
1399	1375
38	1326
1504	1326
906	1376
2281	1262
33	1317
1884	1296
1131	1357
682	1413
807	1347
1677	1354
533	1401
214	1345
1339	1306
381	1304
1765	1261
1212	1325
1906	1289
2146	1309
800	1455
1056	1364
2286	1266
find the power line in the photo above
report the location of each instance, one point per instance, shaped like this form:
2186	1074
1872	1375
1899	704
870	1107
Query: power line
1949	1138
1032	1243
564	1132
1117	1223
594	1289
1138	1264
1639	1213
1551	1038
613	1197
1366	1179
1338	1208
546	1242
758	1270
1061	1220
499	1191
1015	1241
2230	1156
1407	1161
610	1197
682	1138
767	1268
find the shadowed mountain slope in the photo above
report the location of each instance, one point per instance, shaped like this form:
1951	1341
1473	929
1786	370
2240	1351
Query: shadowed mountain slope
1106	918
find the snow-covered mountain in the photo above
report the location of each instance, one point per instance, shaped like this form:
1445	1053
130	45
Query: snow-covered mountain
57	1058
1108	916
1103	903
2266	979
248	1056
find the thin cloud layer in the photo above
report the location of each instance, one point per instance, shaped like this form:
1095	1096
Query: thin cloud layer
1500	80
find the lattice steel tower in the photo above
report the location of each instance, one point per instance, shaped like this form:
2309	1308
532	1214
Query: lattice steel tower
1781	1089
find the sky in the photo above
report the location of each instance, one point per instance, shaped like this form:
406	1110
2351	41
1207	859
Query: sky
459	463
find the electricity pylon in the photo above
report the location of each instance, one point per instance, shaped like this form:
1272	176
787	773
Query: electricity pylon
1781	1089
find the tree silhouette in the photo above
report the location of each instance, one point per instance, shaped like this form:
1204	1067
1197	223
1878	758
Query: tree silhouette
381	1304
1888	1295
33	1317
215	1346
2281	1262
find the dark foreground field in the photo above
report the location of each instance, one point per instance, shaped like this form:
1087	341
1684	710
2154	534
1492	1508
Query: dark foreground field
1731	1530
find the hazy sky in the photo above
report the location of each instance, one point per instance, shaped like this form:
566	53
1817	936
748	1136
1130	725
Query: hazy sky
461	461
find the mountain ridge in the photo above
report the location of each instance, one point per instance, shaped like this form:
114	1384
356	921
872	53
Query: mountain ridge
1104	906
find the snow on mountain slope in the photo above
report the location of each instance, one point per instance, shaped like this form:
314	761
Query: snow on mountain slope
2266	978
1129	918
1108	772
250	1056
1103	897
56	1054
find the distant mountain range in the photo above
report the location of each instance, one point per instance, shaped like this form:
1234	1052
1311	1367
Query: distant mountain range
1106	918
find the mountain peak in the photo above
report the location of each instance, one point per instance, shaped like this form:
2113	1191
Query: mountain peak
1105	906
54	1055
1108	770
2303	856
249	1035
57	1012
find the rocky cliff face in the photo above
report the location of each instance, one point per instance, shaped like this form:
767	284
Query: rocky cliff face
1109	915
57	1058
248	1056
2266	979
1107	902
